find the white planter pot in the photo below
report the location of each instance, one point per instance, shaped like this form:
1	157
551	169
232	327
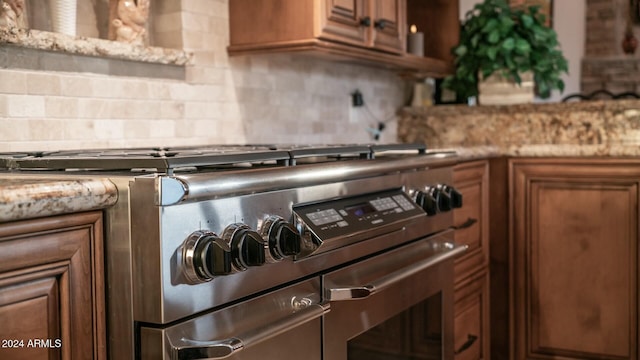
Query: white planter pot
497	90
63	16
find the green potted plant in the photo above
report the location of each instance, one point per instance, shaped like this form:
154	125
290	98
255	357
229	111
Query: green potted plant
510	43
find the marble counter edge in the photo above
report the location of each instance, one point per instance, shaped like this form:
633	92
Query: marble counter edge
79	45
28	198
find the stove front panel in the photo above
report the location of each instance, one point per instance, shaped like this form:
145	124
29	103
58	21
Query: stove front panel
163	294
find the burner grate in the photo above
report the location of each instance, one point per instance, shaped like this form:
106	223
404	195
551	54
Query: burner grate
168	159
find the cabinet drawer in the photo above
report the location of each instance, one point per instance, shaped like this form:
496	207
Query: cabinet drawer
471	319
471	179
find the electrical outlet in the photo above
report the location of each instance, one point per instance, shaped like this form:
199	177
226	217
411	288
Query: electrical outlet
357	99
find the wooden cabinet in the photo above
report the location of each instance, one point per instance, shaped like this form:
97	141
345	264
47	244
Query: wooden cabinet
389	25
340	20
472	181
471	319
375	24
574	258
365	31
471	309
52	288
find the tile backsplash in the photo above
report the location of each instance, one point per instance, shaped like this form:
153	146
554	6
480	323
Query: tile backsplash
279	98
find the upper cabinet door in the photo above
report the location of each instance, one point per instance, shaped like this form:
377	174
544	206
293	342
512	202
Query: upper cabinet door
344	21
389	22
369	32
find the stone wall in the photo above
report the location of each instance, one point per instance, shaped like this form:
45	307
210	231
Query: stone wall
605	66
605	27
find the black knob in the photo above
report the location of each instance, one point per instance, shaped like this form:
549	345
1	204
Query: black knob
247	246
365	21
456	197
428	201
284	238
452	198
204	256
444	201
380	24
212	257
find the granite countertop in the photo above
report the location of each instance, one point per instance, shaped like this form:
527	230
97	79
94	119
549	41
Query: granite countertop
544	150
580	129
49	41
28	197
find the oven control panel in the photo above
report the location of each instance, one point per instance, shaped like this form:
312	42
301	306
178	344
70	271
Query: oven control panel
342	217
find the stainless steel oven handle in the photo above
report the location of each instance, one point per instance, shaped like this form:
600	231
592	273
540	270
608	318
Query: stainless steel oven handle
364	291
220	349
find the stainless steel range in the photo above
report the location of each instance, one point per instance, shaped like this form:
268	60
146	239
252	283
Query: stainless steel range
274	252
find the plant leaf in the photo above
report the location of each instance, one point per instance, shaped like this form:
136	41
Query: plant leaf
509	44
490	26
527	20
460	50
522	46
492	52
494	36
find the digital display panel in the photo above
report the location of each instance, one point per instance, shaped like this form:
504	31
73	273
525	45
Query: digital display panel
360	209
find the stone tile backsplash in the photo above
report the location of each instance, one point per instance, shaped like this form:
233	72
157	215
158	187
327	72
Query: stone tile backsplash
257	99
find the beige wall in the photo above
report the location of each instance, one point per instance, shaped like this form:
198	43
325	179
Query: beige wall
258	99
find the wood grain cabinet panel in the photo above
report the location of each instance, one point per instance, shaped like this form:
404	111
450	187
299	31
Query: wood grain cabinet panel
341	21
471	320
471	309
389	24
52	288
574	259
369	32
471	179
377	24
29	310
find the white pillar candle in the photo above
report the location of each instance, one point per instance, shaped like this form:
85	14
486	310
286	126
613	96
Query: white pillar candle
415	42
64	16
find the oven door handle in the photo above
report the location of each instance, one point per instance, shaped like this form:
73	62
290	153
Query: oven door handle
364	291
220	349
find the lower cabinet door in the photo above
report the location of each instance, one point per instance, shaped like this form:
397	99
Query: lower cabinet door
52	288
574	249
471	318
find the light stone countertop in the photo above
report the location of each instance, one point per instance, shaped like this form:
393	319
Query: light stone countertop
29	197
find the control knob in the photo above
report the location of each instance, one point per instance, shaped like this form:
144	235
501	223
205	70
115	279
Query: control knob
428	200
247	246
438	198
451	198
284	239
205	256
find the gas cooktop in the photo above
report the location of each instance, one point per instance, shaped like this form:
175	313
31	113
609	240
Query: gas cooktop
216	156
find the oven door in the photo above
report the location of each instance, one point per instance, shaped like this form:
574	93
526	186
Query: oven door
284	324
396	305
